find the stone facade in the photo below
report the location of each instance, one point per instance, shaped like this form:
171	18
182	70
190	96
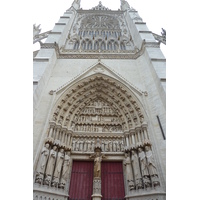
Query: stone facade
99	90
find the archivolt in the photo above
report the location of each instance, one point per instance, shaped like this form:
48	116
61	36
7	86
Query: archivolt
102	87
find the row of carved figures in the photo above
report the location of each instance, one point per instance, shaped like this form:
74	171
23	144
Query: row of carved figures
85	145
93	110
97	118
98	128
141	170
53	166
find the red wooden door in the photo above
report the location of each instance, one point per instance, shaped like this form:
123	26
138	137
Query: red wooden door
112	181
81	181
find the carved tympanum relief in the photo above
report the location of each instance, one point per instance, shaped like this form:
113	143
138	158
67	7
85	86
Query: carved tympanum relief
98	117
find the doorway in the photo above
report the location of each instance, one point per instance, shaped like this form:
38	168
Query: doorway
81	180
112	181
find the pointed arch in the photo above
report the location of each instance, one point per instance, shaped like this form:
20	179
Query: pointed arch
116	94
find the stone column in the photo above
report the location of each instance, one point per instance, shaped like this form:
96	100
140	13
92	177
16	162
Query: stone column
50	132
133	139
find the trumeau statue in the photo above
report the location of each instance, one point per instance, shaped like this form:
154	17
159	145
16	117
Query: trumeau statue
97	163
136	169
65	172
58	167
129	173
42	163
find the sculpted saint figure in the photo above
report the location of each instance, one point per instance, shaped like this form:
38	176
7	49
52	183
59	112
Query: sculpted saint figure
136	169
50	165
114	146
144	169
57	171
85	145
129	173
42	163
150	161
151	166
118	146
102	145
97	164
65	172
89	145
110	145
106	146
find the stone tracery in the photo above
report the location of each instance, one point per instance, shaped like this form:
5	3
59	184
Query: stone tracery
102	32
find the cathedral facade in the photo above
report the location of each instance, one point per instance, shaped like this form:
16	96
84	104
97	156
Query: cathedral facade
99	108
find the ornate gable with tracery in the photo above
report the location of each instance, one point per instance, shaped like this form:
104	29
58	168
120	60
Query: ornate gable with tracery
99	32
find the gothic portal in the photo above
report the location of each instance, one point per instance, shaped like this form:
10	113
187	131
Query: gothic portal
99	108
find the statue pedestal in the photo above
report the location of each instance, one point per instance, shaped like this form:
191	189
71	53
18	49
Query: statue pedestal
96	197
96	189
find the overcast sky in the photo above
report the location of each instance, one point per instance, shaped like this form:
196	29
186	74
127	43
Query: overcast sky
47	13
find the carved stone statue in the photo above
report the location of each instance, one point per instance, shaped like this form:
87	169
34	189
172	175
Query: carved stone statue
57	171
50	165
102	145
122	146
73	145
42	163
85	145
89	145
129	173
77	146
114	146
151	166
81	145
97	164
106	146
118	146
136	169
144	169
65	172
110	145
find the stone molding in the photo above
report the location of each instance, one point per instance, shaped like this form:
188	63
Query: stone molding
70	54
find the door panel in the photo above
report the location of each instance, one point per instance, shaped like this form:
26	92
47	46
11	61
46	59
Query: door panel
81	180
112	185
